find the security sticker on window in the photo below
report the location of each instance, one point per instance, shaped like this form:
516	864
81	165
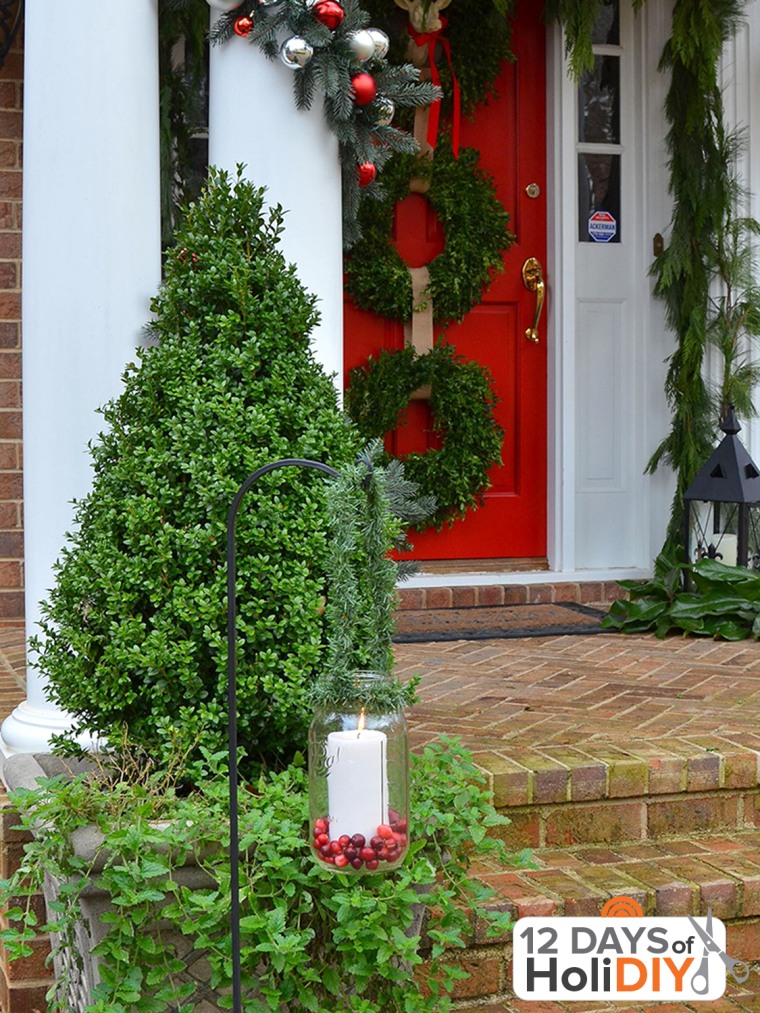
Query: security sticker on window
623	956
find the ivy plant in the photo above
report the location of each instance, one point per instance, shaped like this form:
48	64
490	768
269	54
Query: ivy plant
310	940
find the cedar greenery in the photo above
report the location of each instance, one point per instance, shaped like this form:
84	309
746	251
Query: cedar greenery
476	227
462	402
134	627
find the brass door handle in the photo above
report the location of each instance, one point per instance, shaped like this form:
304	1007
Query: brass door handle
533	279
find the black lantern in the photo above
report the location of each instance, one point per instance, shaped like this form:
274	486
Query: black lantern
722	504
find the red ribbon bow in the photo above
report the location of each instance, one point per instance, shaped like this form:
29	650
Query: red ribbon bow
430	39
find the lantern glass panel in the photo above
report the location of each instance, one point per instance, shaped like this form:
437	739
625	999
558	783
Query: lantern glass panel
359	787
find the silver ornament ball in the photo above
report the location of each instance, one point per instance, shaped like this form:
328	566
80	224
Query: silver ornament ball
381	42
296	52
384	110
362	44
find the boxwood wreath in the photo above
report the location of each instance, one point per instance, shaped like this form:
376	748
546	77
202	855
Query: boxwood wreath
462	400
475	223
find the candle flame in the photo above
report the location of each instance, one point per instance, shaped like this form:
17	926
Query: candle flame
361	724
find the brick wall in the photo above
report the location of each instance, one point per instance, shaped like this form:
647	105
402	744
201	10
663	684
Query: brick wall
11	521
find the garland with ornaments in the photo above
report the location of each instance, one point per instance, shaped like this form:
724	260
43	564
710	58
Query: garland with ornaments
331	48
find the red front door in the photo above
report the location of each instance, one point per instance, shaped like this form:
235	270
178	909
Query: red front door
510	134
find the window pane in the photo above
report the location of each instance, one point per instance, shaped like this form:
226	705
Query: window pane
599	102
598	198
606	31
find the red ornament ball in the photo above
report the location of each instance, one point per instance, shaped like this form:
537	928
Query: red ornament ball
364	88
243	26
366	173
329	13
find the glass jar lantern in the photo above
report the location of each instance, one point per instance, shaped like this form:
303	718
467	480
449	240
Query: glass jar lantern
359	786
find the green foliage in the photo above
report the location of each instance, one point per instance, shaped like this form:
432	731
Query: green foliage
705	274
725	603
361	598
480	37
461	402
361	137
134	627
464	198
310	940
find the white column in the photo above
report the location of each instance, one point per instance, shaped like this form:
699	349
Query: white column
91	248
253	119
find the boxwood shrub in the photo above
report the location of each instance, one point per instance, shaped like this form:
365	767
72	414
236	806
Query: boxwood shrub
134	628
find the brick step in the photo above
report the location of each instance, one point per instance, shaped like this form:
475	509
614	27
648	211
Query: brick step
604	793
465	596
675	877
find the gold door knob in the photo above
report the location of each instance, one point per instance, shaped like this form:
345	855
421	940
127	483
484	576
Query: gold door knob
533	279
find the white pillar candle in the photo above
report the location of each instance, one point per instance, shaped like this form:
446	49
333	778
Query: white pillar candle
727	547
357	782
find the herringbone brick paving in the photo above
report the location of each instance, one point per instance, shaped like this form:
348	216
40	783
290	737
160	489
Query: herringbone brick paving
626	723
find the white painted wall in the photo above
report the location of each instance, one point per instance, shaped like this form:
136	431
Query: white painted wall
91	249
295	155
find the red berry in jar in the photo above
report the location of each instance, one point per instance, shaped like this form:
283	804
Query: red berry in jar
377	843
350	852
322	839
382	854
372	865
367	854
393	816
330	859
341	861
358	841
357	863
344	840
401	826
335	847
399	839
384	831
325	850
320	826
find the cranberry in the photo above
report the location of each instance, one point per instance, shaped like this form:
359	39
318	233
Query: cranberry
393	816
350	853
344	840
316	845
367	854
320	826
401	826
358	841
330	859
357	863
341	861
382	854
335	847
399	839
322	839
325	850
372	865
384	831
377	843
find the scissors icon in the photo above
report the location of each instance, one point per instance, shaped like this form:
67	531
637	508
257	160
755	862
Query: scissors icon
738	968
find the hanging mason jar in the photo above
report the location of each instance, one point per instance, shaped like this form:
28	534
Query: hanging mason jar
359	784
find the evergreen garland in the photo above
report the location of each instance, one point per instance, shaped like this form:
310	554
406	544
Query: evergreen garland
362	139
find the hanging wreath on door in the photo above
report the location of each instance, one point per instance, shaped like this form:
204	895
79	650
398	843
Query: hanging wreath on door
462	402
475	225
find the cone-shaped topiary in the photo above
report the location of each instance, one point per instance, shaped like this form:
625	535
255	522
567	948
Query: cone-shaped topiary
135	625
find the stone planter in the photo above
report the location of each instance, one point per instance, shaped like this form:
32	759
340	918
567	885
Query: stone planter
79	968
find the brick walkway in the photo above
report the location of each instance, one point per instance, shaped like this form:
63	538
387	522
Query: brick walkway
629	764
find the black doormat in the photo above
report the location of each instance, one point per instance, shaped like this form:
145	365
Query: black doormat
497	622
